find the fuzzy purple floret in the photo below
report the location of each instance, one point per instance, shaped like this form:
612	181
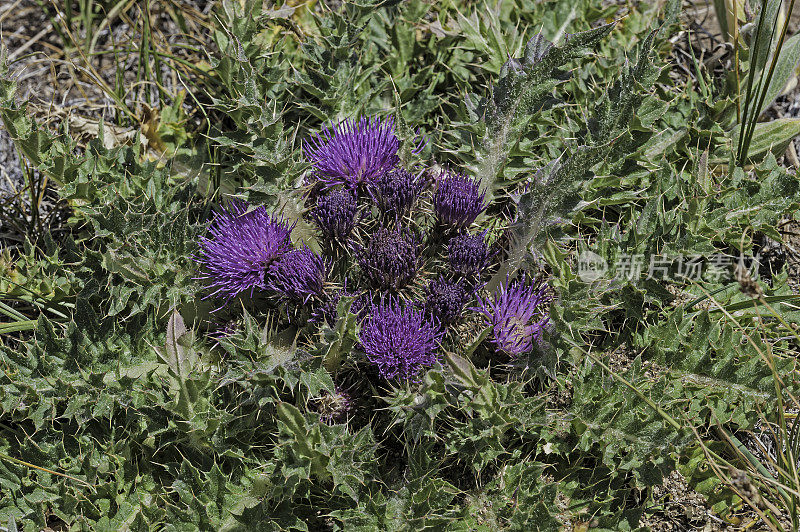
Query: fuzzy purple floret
390	258
518	314
399	339
240	248
335	214
468	254
299	275
445	299
458	200
395	192
354	152
333	408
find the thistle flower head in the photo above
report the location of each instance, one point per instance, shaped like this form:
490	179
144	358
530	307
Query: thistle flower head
335	214
354	152
445	299
399	339
333	407
298	275
458	200
240	248
396	191
390	258
518	314
468	254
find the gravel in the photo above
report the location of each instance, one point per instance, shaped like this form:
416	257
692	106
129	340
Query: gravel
11	178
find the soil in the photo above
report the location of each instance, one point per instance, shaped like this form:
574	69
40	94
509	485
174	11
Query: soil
678	507
68	77
11	177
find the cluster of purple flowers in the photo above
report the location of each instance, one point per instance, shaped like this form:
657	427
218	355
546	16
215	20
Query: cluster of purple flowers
249	250
405	253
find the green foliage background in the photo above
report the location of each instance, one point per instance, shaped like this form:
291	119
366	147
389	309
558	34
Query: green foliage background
117	414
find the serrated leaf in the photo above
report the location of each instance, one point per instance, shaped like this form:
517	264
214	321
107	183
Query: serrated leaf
181	360
523	89
175	354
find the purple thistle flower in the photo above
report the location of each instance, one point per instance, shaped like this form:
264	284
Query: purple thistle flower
446	299
335	214
333	407
518	314
353	152
299	275
396	191
458	200
240	248
390	259
400	340
468	254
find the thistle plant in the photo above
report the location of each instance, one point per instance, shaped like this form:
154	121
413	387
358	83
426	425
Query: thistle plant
354	153
458	200
517	314
240	247
402	243
378	357
399	339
